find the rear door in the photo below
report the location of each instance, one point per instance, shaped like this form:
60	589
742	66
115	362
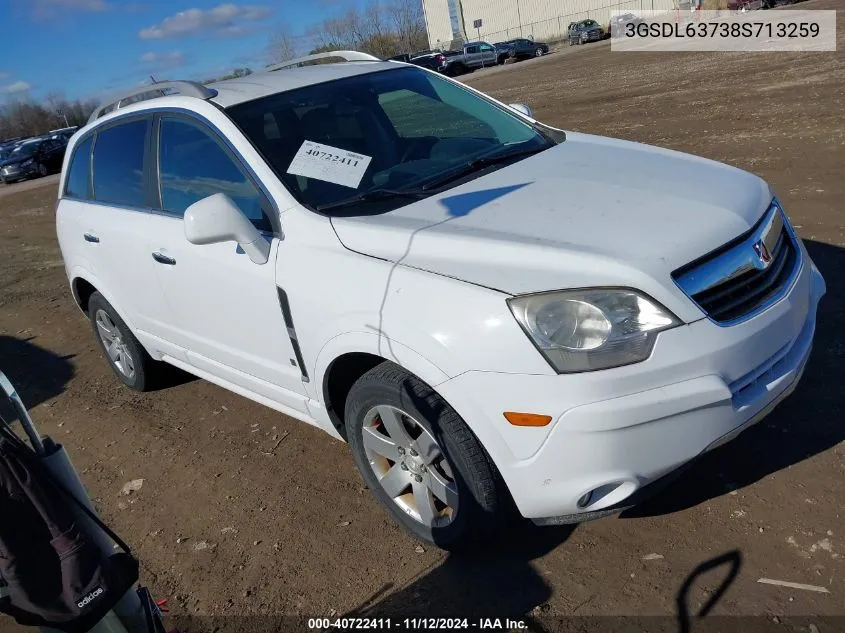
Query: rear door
109	217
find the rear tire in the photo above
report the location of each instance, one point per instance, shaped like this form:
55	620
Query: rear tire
413	451
127	358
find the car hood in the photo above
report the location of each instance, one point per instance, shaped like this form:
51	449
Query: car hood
591	211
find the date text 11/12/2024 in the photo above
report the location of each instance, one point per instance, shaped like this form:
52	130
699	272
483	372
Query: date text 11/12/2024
415	624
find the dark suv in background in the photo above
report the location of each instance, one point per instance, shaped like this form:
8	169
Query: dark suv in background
585	31
35	157
522	48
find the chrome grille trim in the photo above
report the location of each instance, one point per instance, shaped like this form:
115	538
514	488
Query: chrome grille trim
747	275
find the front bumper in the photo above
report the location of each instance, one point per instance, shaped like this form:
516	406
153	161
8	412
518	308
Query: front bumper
616	431
17	172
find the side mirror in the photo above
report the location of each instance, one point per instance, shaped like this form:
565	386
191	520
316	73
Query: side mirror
218	219
522	109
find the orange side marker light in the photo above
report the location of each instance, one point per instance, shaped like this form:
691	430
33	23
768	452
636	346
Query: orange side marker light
527	419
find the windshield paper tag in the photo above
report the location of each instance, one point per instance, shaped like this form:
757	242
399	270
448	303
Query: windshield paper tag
331	164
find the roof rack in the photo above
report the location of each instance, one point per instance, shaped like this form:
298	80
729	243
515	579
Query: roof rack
186	88
349	56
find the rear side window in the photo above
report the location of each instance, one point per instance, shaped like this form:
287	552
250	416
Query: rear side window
79	172
119	164
193	166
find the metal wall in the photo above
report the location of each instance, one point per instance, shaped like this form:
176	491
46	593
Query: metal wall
545	20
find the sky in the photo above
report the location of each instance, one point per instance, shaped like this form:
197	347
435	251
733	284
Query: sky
90	48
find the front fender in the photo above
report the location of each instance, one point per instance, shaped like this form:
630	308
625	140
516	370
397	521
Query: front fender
372	343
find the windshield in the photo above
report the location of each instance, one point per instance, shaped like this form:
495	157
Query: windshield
394	130
27	149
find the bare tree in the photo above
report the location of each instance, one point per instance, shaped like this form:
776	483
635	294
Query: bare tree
283	45
408	23
29	118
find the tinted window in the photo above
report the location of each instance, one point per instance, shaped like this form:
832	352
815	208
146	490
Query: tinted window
413	125
119	164
193	166
472	49
79	170
414	115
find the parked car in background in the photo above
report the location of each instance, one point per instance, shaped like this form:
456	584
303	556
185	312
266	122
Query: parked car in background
618	23
585	31
523	48
64	133
35	157
473	55
432	60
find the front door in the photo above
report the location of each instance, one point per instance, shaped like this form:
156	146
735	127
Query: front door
226	308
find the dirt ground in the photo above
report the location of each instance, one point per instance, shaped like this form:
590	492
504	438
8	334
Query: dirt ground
246	512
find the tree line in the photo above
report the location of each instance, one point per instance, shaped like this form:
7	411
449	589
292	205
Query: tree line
382	29
26	117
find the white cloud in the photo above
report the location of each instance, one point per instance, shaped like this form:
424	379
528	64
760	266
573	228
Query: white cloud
163	61
224	20
14	88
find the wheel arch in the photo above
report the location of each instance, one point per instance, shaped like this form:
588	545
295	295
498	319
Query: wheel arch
83	285
349	356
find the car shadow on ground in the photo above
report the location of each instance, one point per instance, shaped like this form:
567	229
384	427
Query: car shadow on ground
805	424
36	373
502	584
495	580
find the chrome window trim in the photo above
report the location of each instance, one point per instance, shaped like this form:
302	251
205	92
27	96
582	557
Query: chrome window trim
741	258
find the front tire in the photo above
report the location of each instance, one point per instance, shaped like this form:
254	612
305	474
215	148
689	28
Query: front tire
420	459
42	170
127	358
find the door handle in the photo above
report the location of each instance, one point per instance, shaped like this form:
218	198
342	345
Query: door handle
90	237
163	259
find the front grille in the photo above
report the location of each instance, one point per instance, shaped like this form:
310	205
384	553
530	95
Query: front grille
746	276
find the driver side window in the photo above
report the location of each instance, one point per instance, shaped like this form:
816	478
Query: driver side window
193	166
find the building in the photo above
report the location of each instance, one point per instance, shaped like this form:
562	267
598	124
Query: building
450	22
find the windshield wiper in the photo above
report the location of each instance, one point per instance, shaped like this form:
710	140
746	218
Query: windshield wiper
479	163
374	195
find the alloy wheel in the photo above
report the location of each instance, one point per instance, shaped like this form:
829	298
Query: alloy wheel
114	344
410	466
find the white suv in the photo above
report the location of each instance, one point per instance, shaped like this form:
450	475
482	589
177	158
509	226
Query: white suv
486	308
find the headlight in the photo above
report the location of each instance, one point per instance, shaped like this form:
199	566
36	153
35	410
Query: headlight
585	330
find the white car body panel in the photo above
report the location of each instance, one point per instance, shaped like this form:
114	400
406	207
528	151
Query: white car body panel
425	286
547	220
